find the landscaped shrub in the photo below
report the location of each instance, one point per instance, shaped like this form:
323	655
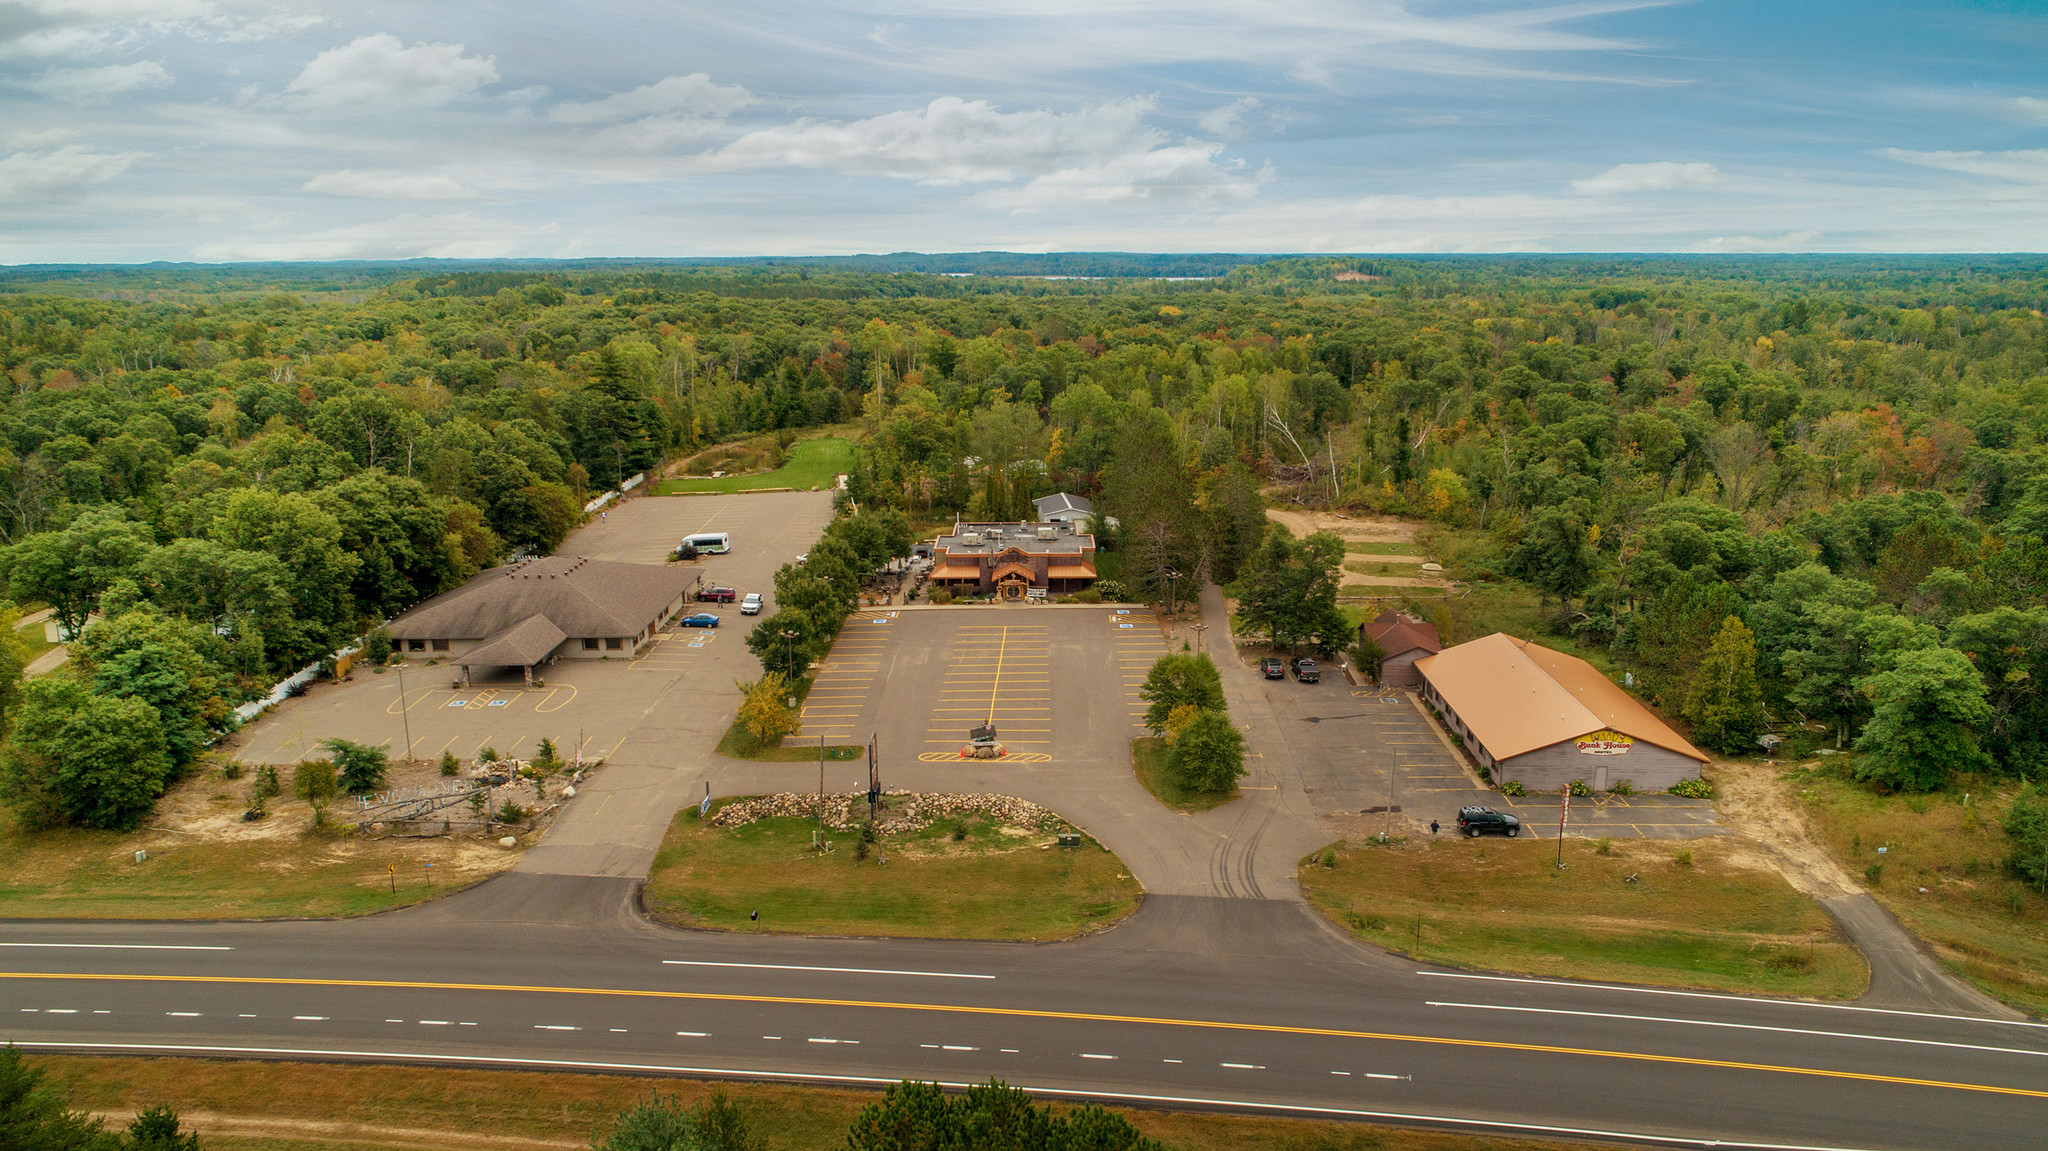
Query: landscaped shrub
510	812
377	646
942	596
1513	788
1701	788
1578	789
1088	595
1110	590
1622	787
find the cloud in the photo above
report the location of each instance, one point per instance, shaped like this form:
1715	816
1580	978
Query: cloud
387	186
79	27
2031	108
2023	167
453	236
29	177
1224	121
1660	176
1175	172
1801	241
694	95
97	85
378	72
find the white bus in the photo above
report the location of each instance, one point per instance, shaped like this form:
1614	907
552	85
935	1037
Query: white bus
709	543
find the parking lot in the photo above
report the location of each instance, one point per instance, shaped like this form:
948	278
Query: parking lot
1363	750
607	708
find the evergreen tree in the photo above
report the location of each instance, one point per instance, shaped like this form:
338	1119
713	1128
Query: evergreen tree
1725	705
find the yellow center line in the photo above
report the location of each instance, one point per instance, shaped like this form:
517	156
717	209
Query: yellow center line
1031	1013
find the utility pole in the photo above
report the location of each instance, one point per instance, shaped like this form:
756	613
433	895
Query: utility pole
404	715
821	792
1564	812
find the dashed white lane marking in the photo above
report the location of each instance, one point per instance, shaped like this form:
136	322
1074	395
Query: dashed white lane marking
183	1014
694	1034
1244	1066
1340	1072
850	1042
310	1018
60	1010
1169	1061
618	1031
394	1021
836	970
465	1025
555	1027
951	1047
30	1010
771	1037
1377	1075
433	1023
1742	1027
1731	998
246	1017
1009	1050
123	946
1086	1055
98	1012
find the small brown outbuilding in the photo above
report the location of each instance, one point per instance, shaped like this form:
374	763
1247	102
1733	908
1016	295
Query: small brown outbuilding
1403	639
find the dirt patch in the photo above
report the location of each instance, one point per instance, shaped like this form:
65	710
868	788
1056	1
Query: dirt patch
1373	529
277	1127
1771	830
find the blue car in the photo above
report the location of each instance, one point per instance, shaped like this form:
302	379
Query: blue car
701	619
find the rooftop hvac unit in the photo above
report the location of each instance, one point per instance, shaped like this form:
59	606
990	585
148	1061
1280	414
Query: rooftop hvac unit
1047	533
970	538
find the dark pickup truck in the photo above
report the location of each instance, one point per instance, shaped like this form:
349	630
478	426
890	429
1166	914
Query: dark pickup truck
718	595
1306	671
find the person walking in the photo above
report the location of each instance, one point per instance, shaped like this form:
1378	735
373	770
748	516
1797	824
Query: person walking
1432	827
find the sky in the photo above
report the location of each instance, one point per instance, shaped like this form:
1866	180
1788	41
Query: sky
224	130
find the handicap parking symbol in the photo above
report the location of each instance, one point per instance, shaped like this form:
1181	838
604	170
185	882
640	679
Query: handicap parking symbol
498	703
1127	626
1123	611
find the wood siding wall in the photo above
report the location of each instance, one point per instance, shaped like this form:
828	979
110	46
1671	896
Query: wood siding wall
1399	670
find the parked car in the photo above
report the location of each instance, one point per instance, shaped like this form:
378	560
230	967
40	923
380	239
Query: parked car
1477	821
718	595
701	619
1273	668
752	604
1306	671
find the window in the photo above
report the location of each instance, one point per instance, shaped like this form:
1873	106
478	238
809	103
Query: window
589	645
440	645
415	645
614	644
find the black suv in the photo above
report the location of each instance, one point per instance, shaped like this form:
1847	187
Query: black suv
1474	821
1273	668
1306	671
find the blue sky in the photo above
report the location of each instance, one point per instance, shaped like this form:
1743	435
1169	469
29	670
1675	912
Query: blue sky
223	130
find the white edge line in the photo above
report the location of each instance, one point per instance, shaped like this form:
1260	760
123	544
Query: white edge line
1401	1116
124	946
835	970
1732	998
1742	1027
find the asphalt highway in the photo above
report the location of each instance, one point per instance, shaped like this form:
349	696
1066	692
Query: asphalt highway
1240	1004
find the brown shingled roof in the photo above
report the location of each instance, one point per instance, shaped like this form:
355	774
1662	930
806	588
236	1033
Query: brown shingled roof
580	597
522	645
1518	696
1396	633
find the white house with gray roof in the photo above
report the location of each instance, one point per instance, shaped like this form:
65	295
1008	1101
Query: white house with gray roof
525	614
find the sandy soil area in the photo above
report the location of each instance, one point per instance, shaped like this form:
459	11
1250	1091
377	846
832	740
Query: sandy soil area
1769	825
1363	529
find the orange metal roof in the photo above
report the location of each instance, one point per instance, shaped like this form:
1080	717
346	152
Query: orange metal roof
1070	571
957	571
1517	696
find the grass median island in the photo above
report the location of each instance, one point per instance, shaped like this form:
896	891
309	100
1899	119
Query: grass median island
1501	905
740	743
811	464
249	1106
1148	759
967	877
1941	872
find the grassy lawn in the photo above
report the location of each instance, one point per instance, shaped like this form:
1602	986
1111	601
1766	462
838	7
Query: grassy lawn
1148	759
1363	548
93	874
812	464
1985	925
35	640
993	883
1501	905
372	1106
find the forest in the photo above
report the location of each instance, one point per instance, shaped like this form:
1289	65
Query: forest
1802	493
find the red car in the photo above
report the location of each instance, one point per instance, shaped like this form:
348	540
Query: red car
717	595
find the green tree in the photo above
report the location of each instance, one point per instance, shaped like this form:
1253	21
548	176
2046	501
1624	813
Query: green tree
81	759
2026	825
1927	711
148	656
1725	705
306	541
70	569
35	1117
1208	755
359	768
1176	680
1557	556
664	1124
1288	589
14	663
991	1116
157	1129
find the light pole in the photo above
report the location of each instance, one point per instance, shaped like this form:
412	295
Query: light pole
789	654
